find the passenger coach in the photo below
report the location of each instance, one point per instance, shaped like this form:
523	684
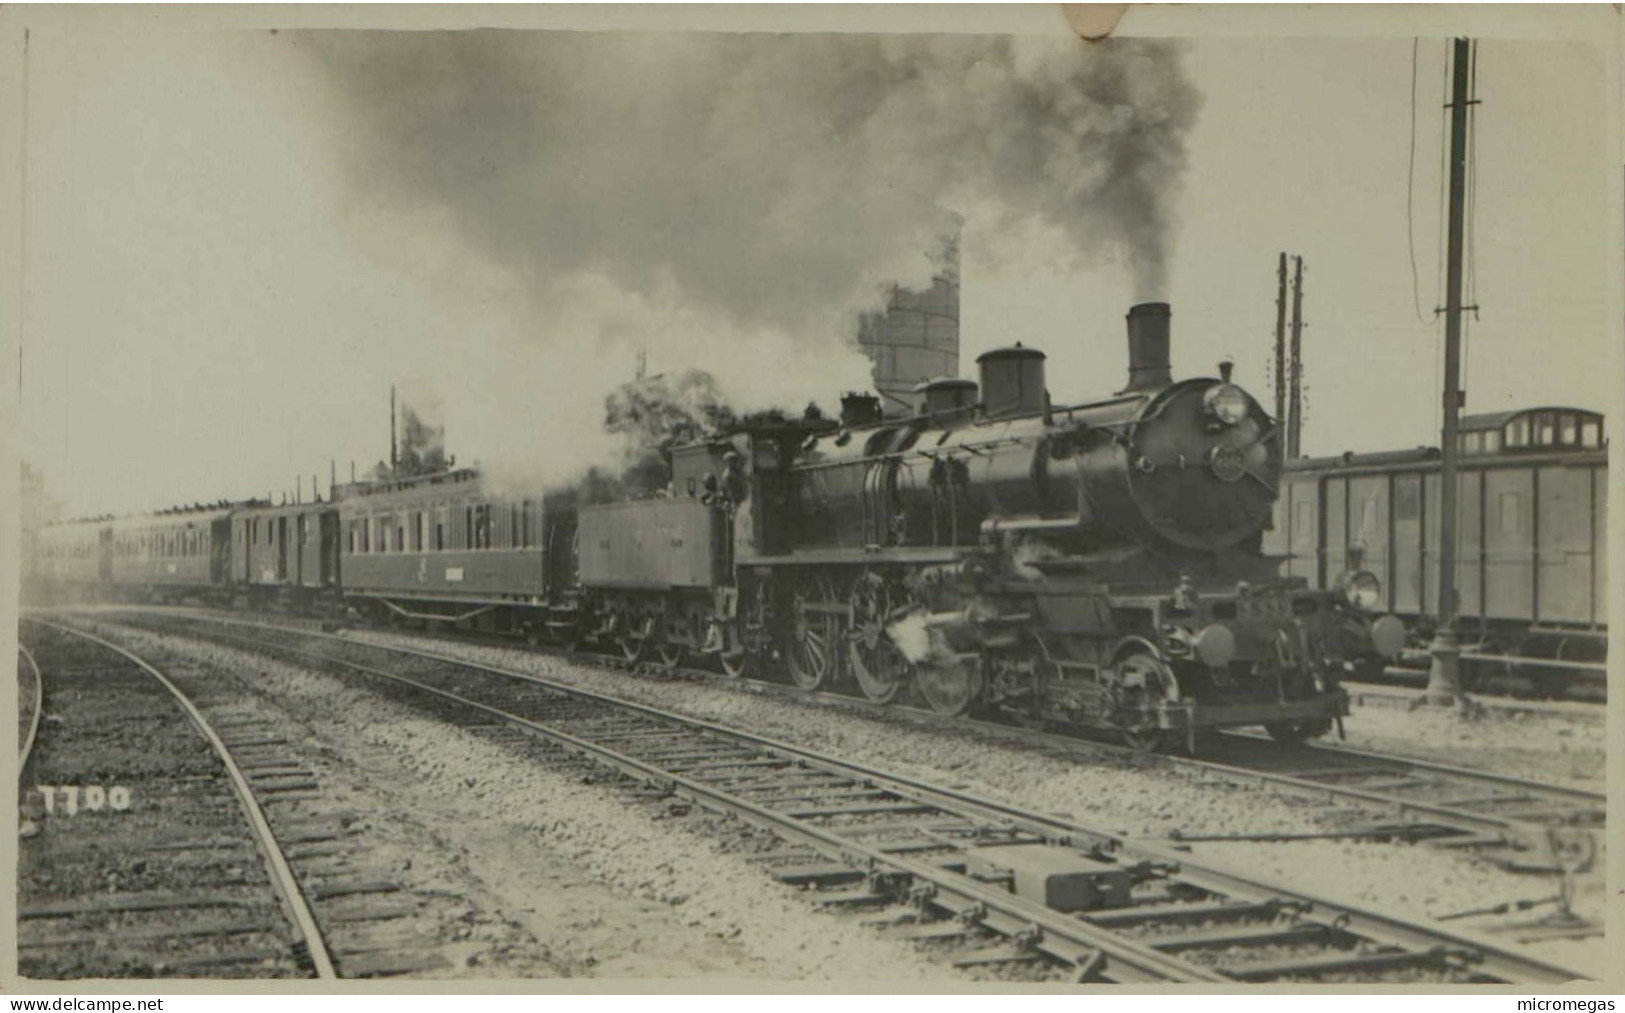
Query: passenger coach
446	547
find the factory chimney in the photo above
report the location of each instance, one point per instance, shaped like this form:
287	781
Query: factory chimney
1148	367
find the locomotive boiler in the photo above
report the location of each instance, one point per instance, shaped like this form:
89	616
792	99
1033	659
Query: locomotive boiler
1091	564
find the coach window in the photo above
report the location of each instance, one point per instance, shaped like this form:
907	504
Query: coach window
1517	432
1591	433
1474	443
1568	430
468	527
1545	429
440	516
1492	441
366	534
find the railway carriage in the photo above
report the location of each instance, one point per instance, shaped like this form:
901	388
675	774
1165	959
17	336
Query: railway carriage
1531	571
72	559
289	551
445	548
171	555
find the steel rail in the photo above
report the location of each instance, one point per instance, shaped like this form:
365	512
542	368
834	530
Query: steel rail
287	885
27	746
1073	941
1575	794
1491	955
1463	820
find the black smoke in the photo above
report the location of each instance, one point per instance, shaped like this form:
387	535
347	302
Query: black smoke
776	181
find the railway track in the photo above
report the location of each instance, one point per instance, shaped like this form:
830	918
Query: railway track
1503	818
29	692
169	832
1512	817
995	883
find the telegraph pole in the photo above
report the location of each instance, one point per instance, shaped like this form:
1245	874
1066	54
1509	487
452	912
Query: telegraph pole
1443	677
1294	435
1280	341
393	460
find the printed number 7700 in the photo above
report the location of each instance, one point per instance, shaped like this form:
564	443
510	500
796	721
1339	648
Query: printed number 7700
90	798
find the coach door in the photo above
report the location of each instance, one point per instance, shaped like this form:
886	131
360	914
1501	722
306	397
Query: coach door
1509	544
1563	536
329	561
1303	530
282	550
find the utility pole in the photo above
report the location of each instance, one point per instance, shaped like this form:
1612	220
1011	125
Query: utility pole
1443	676
392	459
1280	341
1294	435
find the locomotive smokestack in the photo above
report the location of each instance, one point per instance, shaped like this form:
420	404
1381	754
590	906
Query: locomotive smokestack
1148	367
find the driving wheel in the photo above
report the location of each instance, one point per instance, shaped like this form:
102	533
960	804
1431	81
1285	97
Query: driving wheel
950	682
879	665
814	632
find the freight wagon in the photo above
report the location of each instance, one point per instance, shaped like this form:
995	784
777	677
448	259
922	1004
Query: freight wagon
1532	558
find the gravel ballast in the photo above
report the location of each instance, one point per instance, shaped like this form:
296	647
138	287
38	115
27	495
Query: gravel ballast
594	886
1133	797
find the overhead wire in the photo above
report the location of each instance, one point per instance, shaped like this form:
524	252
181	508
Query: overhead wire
1410	194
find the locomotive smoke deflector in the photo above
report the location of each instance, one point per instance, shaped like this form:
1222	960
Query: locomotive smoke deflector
1148	366
1012	381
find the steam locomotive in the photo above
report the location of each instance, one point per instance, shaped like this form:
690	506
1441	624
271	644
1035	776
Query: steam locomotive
1094	565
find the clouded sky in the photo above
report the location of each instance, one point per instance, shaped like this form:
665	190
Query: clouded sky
236	241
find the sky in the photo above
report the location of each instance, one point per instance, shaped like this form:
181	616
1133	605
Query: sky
236	242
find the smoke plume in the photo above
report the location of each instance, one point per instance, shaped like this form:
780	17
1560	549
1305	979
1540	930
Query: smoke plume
653	414
779	181
734	202
422	444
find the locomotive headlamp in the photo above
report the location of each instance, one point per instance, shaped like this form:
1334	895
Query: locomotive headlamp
1226	403
1362	589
